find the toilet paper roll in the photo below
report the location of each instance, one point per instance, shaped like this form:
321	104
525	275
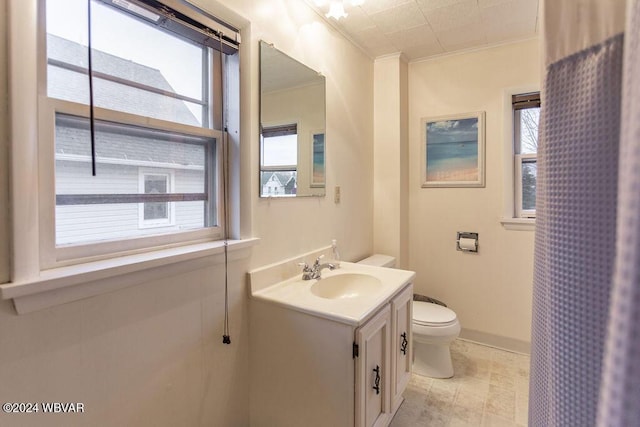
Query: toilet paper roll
467	244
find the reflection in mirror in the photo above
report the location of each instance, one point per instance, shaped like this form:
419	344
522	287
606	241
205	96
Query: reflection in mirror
292	127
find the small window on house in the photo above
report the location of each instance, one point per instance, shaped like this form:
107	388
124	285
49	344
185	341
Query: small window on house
156	214
526	118
157	77
154	211
279	160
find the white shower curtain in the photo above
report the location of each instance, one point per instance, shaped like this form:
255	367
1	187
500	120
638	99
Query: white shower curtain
587	256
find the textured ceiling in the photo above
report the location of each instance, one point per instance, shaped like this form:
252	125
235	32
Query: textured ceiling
424	28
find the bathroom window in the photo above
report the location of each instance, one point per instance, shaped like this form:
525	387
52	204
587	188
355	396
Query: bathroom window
279	160
158	78
526	118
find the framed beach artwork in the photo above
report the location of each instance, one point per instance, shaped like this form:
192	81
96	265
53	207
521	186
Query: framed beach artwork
453	150
317	159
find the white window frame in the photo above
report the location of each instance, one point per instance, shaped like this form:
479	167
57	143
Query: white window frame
63	275
280	168
519	160
511	219
52	256
170	220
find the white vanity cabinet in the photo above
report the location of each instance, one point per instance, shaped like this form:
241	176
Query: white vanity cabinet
312	370
401	345
383	366
373	371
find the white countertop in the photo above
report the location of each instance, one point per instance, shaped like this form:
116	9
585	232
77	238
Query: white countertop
295	293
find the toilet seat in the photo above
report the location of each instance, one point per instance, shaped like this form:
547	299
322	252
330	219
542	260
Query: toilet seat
429	314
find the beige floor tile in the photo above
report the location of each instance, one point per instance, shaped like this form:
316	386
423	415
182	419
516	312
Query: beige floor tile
479	351
447	386
479	369
506	356
522	387
461	422
440	399
522	410
420	382
467	409
489	420
489	387
433	418
408	413
473	386
470	401
503	379
501	402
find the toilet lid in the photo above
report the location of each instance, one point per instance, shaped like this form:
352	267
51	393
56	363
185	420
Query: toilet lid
428	314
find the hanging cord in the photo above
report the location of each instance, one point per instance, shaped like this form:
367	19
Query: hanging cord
226	338
91	105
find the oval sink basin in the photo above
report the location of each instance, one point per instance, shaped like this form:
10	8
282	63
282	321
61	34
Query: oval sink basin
348	285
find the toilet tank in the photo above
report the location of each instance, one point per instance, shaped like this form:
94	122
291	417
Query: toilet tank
379	260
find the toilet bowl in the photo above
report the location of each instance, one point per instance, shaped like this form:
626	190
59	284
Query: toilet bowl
434	328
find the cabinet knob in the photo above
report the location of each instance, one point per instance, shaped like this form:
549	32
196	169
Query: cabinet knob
404	344
376	380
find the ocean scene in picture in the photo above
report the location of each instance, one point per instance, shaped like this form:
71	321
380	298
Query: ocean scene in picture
452	150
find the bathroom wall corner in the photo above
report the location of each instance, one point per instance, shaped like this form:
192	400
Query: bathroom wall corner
4	147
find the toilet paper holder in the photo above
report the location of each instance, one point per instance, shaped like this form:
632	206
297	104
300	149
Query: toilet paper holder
467	235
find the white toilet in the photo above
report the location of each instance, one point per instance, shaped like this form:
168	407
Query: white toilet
434	328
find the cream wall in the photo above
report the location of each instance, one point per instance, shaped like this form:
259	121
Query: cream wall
390	168
293	226
490	291
151	354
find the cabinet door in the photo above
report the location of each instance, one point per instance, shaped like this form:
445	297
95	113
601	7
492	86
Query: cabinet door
401	344
373	371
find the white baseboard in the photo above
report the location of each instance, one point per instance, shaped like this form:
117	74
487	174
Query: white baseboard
497	341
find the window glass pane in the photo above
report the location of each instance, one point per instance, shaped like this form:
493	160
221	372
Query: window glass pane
156	184
156	210
280	150
280	183
131	161
126	62
529	178
529	122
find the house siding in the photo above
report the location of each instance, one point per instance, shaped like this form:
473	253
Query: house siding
86	223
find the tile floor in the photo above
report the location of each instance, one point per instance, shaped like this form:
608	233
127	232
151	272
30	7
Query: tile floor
490	388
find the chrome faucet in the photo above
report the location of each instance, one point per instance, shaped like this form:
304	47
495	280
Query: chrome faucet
313	272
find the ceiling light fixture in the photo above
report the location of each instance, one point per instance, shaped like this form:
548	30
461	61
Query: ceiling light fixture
336	10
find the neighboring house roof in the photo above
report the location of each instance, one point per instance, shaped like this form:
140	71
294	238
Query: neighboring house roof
286	179
73	139
290	186
72	135
74	86
74	53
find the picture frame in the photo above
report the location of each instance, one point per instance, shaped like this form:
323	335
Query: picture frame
453	150
318	155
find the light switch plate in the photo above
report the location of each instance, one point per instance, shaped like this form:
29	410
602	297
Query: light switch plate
336	195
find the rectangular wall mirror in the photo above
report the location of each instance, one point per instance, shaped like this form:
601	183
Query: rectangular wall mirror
292	127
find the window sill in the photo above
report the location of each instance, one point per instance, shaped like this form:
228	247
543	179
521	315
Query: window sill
61	285
519	224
